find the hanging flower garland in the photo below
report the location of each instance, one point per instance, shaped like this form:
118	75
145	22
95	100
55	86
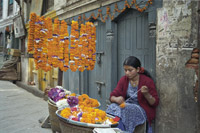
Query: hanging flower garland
55	45
74	46
51	45
46	67
91	37
82	45
37	48
42	45
64	47
108	14
31	32
93	47
60	46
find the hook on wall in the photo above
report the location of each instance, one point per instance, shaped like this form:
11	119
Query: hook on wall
99	54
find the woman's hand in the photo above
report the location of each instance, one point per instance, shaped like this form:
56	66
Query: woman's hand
147	95
144	90
119	100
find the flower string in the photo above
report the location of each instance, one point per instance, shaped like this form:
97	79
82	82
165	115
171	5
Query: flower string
116	9
55	45
74	46
91	48
65	34
51	44
31	32
82	48
37	47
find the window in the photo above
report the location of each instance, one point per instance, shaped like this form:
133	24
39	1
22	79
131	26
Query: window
10	7
47	6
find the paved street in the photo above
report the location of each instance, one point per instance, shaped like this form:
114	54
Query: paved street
20	110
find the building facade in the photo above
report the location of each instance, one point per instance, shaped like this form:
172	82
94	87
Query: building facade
162	37
9	10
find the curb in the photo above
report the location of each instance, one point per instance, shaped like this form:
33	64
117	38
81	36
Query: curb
35	91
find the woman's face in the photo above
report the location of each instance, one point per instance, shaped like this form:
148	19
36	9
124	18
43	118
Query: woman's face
130	71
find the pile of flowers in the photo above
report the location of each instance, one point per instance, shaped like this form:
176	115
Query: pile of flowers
62	97
86	101
87	115
56	94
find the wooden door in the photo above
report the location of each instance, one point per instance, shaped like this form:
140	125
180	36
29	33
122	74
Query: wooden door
97	83
133	39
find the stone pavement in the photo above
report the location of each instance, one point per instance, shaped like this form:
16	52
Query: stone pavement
20	110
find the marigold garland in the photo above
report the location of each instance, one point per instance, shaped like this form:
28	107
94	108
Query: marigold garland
55	45
51	44
74	46
37	47
31	32
91	48
108	14
65	40
82	48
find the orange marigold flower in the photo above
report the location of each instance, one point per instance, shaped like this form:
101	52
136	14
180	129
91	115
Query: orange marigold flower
123	105
73	94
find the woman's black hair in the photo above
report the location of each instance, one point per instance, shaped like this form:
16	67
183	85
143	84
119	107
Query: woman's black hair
135	62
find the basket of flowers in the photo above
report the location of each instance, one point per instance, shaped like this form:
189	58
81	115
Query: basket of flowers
59	98
84	119
55	95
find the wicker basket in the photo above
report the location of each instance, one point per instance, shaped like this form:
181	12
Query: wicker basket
53	118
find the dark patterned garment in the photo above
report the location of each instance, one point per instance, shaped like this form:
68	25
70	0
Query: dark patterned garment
132	115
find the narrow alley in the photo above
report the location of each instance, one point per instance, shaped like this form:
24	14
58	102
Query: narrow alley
20	110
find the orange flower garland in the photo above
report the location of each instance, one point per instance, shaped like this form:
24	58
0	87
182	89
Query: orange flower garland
43	45
51	44
82	45
37	47
61	45
65	37
55	45
91	36
74	46
31	32
108	13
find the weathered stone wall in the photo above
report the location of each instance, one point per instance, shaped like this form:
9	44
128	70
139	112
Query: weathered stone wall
176	37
